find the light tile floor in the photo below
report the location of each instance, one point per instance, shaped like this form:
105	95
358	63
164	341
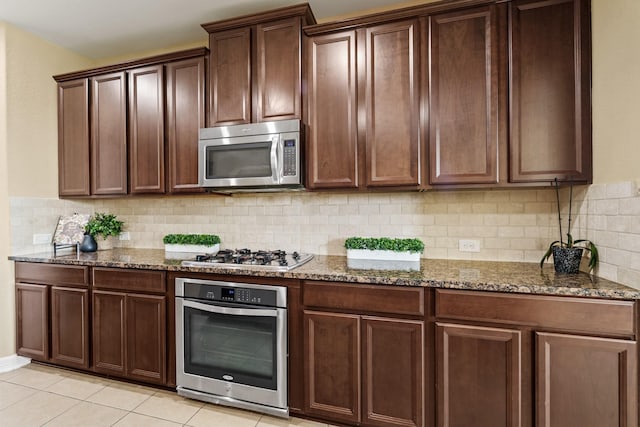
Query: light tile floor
38	395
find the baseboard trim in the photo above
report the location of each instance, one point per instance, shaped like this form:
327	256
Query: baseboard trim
10	363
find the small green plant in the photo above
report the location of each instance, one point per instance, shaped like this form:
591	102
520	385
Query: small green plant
570	243
384	244
103	224
191	239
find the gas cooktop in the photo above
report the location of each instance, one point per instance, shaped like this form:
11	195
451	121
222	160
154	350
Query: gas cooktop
277	260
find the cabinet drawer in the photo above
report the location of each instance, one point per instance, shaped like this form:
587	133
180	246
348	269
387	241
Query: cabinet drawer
364	298
584	315
129	280
52	274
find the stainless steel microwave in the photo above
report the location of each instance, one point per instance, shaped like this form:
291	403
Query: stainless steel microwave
251	157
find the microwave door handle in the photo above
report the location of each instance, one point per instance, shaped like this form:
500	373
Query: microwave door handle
275	163
234	311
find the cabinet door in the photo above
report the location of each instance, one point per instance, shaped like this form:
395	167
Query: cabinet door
146	129
109	332
185	113
230	77
550	90
146	338
586	381
73	138
392	104
393	367
109	134
70	327
277	70
32	321
463	97
478	376
332	139
332	371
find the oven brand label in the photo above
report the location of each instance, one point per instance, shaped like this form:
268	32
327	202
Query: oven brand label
227	377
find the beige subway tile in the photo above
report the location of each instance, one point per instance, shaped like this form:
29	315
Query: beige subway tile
629	206
510	207
348	209
447	219
525	219
497	196
496	243
511	232
484	208
471	219
484	231
459	208
606	207
524	196
496	219
539	207
511	255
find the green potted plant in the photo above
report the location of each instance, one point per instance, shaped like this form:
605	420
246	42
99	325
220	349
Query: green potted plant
568	254
384	248
191	243
105	225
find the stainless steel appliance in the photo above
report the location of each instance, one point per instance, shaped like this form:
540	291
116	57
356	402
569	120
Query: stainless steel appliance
277	260
256	156
231	344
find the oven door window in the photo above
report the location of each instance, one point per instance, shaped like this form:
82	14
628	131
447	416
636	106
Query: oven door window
251	160
239	349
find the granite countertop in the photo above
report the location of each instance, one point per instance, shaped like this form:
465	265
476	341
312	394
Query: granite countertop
451	274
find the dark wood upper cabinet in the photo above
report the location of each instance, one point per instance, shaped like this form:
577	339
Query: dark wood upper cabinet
255	66
185	115
278	70
550	134
109	134
586	381
146	129
230	77
332	137
463	96
73	138
364	107
392	104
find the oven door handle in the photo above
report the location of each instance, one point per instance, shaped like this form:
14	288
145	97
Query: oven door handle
234	311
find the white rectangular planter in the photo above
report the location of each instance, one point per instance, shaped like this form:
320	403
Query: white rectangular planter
365	259
187	251
382	255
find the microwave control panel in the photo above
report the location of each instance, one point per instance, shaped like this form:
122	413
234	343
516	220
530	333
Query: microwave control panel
289	158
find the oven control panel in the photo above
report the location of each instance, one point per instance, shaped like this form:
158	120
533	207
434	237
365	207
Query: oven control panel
234	294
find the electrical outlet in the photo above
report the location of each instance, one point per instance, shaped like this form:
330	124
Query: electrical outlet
469	245
41	239
124	236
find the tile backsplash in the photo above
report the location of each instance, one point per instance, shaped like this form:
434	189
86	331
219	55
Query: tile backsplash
511	225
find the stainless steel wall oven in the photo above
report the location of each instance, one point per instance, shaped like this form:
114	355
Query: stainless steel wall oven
231	344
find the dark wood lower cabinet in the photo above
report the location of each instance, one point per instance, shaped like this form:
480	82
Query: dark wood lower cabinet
392	365
332	343
363	370
129	335
109	332
478	376
586	381
32	320
70	327
146	338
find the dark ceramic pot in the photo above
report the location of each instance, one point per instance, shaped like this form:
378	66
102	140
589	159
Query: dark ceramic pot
88	244
567	260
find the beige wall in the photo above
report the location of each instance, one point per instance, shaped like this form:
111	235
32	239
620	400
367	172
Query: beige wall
6	267
32	118
28	140
616	90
